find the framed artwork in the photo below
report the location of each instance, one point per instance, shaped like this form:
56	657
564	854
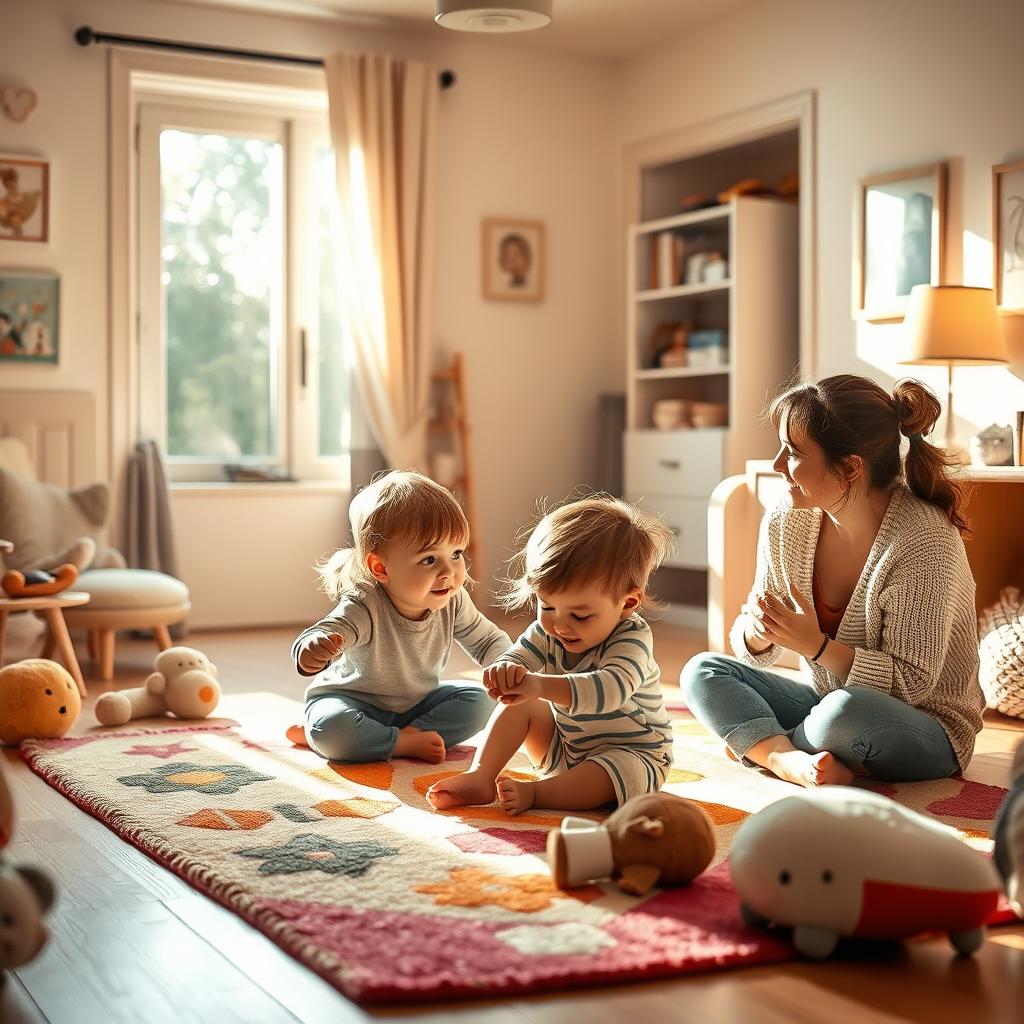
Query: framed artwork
1008	234
29	317
902	223
513	259
24	199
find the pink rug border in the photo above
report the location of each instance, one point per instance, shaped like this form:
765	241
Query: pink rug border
768	949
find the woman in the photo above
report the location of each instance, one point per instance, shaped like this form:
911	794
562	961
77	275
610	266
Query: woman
863	573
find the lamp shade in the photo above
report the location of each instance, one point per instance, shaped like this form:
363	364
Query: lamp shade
953	325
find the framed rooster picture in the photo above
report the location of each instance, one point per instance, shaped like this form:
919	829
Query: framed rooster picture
24	199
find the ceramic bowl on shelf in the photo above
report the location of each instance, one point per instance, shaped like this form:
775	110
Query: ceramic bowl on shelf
671	413
709	414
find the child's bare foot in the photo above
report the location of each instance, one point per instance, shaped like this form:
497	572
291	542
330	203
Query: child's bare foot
425	746
514	796
297	735
472	787
809	770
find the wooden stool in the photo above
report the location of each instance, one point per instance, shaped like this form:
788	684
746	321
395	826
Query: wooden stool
51	608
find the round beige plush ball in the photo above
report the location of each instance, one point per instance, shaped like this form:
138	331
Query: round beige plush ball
38	700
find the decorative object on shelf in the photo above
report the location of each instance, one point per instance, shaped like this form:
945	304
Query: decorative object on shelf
902	225
715	268
1001	652
707	347
709	414
675	354
671	414
695	263
24	199
744	187
992	446
697	201
29	317
1008	234
513	259
952	325
788	186
18	103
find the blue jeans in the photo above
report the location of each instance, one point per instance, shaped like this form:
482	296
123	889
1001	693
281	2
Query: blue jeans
866	729
344	728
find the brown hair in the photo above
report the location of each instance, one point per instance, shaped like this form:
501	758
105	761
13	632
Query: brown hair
400	505
597	540
850	415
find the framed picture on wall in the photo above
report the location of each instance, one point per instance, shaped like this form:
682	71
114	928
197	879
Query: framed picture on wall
24	199
513	259
29	317
1008	234
902	224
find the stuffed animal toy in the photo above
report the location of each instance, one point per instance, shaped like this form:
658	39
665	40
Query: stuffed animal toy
38	700
38	582
658	839
1009	835
843	861
184	683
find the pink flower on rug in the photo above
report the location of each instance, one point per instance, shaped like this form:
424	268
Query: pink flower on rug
164	750
509	842
975	801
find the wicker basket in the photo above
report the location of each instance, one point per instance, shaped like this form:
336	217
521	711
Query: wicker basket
1001	647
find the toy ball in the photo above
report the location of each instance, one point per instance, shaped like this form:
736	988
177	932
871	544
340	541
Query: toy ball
847	862
657	839
38	700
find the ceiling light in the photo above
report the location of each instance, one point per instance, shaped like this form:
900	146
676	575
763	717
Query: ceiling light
506	16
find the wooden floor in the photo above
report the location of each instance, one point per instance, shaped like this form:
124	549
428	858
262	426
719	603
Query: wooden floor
132	943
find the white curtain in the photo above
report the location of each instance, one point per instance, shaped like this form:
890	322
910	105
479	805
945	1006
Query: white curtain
383	114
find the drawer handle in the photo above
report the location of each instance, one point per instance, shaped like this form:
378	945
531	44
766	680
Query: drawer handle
670	463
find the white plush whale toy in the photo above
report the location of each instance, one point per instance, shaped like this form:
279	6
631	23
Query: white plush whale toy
841	861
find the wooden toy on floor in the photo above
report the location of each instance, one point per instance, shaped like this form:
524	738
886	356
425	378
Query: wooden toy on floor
184	683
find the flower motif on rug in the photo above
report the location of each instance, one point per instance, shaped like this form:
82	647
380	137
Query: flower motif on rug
318	853
566	939
163	750
475	887
182	776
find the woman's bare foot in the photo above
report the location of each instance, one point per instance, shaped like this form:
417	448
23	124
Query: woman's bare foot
472	787
297	735
514	796
809	770
426	746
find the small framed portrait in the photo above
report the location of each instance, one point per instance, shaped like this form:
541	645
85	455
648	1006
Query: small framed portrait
24	199
29	317
901	244
1008	234
513	259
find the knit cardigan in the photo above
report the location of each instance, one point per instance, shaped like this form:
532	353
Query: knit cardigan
911	619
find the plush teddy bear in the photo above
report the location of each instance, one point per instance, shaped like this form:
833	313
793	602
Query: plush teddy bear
184	683
658	839
1009	835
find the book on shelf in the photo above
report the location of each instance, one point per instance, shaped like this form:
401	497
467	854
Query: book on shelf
666	260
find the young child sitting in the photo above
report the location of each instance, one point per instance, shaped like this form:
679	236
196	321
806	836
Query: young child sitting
581	688
378	656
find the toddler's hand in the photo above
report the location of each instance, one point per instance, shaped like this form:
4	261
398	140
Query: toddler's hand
501	678
318	650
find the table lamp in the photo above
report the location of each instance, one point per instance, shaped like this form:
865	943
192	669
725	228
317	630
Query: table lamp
953	325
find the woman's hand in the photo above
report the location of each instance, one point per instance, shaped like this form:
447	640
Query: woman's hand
753	633
795	628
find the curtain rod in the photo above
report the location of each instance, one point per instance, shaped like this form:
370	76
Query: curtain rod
85	35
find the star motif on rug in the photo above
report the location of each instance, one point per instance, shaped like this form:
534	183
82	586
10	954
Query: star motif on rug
475	887
163	750
182	776
318	853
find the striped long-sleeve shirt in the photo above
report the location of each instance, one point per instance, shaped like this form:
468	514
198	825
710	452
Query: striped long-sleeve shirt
616	691
393	662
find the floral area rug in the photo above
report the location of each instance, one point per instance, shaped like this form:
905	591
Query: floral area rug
349	870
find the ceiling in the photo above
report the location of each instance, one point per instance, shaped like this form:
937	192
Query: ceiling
613	29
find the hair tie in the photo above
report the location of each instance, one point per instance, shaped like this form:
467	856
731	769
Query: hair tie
914	437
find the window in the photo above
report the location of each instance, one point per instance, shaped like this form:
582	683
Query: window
241	352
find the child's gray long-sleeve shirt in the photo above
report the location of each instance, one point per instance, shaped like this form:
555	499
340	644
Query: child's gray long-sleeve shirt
393	662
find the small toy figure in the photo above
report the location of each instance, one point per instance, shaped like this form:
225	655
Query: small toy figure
657	839
38	582
1009	835
184	683
38	700
840	861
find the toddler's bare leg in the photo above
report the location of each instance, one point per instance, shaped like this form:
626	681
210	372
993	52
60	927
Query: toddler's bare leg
579	789
530	722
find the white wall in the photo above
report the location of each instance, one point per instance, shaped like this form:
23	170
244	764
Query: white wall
524	133
898	84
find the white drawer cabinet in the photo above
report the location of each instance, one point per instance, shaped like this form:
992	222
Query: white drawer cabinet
673	463
687	518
